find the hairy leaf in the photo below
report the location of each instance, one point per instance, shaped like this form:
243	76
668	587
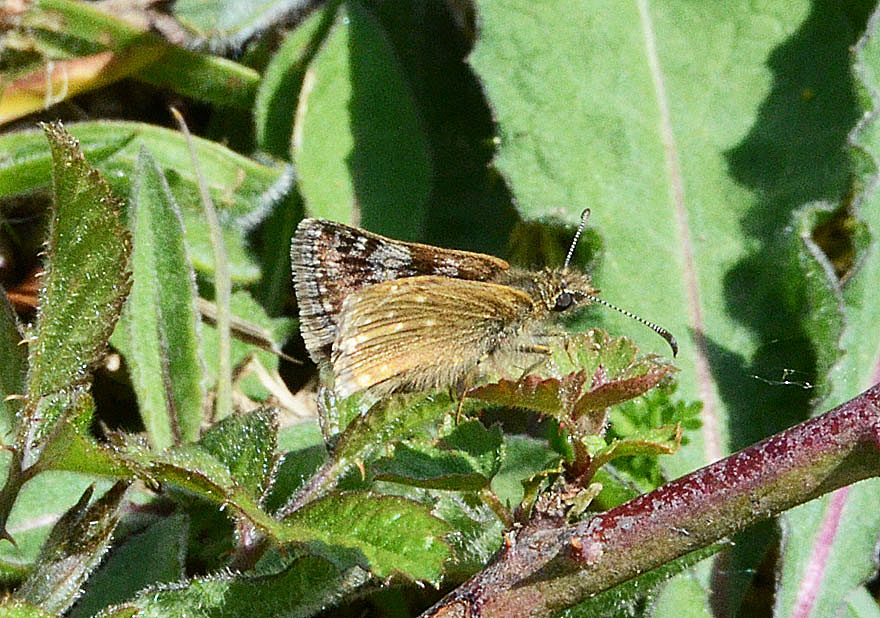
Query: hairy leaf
162	314
384	534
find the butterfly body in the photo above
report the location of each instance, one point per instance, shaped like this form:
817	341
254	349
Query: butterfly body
388	316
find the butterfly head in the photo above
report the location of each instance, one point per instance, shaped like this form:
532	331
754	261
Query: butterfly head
563	290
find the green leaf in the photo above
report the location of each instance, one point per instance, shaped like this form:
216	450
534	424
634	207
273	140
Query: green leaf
247	445
274	243
85	283
196	470
69	446
309	585
231	22
658	441
524	457
240	188
304	454
87	273
158	552
465	459
38	506
279	91
11	607
294	470
829	546
119	611
384	534
74	548
65	29
300	435
615	489
395	418
616	374
655	409
360	150
859	604
476	531
26	163
161	316
681	597
13	369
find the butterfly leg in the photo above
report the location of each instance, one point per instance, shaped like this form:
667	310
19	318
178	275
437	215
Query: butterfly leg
460	389
534	348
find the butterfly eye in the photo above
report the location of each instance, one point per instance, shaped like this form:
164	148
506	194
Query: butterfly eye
563	302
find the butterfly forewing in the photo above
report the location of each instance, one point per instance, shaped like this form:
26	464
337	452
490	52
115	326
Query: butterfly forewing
408	333
331	261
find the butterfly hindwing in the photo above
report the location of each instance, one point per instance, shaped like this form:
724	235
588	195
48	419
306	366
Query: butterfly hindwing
422	331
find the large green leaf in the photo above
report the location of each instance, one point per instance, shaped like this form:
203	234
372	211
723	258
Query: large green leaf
359	147
829	545
162	315
673	172
694	133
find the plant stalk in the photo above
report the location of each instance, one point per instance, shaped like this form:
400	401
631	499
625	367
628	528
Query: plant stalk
548	566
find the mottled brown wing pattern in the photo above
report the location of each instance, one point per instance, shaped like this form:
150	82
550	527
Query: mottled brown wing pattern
331	260
421	332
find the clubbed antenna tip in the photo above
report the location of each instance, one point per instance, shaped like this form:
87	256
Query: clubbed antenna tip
654	327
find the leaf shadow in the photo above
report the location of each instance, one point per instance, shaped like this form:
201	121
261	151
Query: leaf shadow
795	153
468	204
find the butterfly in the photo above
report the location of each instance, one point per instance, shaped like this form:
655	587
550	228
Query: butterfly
387	315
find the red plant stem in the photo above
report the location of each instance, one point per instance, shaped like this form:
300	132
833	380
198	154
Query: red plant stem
548	566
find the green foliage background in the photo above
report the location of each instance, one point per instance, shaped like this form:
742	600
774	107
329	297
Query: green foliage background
727	151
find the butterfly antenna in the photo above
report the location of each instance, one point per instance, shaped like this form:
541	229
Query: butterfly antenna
657	329
584	216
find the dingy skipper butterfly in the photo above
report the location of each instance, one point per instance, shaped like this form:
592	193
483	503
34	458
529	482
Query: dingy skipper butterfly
388	316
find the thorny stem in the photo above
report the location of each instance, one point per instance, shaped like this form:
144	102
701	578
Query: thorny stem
547	566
